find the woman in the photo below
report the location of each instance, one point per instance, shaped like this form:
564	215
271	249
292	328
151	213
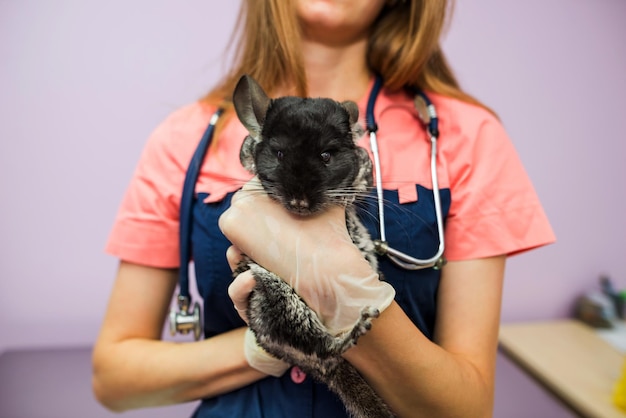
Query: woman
432	350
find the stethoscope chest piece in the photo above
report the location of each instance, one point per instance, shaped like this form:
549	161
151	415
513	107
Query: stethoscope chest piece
186	319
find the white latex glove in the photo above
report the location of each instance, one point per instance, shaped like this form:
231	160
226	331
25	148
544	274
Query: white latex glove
314	254
260	359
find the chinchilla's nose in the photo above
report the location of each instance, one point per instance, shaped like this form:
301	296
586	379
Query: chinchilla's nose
299	205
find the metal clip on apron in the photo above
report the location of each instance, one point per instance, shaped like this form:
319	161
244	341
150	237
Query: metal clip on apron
188	319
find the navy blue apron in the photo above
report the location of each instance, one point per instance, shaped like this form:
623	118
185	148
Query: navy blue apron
412	229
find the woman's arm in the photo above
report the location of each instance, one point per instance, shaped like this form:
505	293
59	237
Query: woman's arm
132	368
454	376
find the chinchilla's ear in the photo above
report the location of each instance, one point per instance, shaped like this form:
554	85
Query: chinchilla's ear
353	111
246	154
251	105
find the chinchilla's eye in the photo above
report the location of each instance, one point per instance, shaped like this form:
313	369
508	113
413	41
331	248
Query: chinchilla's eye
325	156
279	155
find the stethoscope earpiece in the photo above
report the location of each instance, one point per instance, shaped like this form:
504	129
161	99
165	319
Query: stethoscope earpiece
185	320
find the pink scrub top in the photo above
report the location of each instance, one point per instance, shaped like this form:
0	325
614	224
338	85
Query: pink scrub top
489	205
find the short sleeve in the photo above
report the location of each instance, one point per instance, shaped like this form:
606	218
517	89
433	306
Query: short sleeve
145	230
494	207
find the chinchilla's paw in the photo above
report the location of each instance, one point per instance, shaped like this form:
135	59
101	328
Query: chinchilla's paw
365	324
242	266
362	326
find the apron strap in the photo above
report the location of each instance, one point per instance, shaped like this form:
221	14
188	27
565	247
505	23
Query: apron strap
186	205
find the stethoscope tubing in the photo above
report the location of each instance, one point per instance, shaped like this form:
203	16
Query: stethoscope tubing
404	260
400	258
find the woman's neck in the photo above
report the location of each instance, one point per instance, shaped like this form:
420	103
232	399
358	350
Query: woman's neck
339	72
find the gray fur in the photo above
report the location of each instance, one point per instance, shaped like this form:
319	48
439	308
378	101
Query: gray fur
285	154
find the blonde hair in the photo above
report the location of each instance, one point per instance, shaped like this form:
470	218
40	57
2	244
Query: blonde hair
404	48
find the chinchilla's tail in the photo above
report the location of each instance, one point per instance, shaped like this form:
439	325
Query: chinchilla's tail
358	397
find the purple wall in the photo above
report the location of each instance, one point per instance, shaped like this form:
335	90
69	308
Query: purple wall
554	71
83	83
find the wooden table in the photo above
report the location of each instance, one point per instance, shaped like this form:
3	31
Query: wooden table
570	360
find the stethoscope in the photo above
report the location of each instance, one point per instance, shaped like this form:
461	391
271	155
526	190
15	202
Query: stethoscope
189	319
426	111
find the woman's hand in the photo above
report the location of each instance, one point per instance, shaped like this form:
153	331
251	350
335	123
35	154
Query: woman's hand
314	254
239	291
